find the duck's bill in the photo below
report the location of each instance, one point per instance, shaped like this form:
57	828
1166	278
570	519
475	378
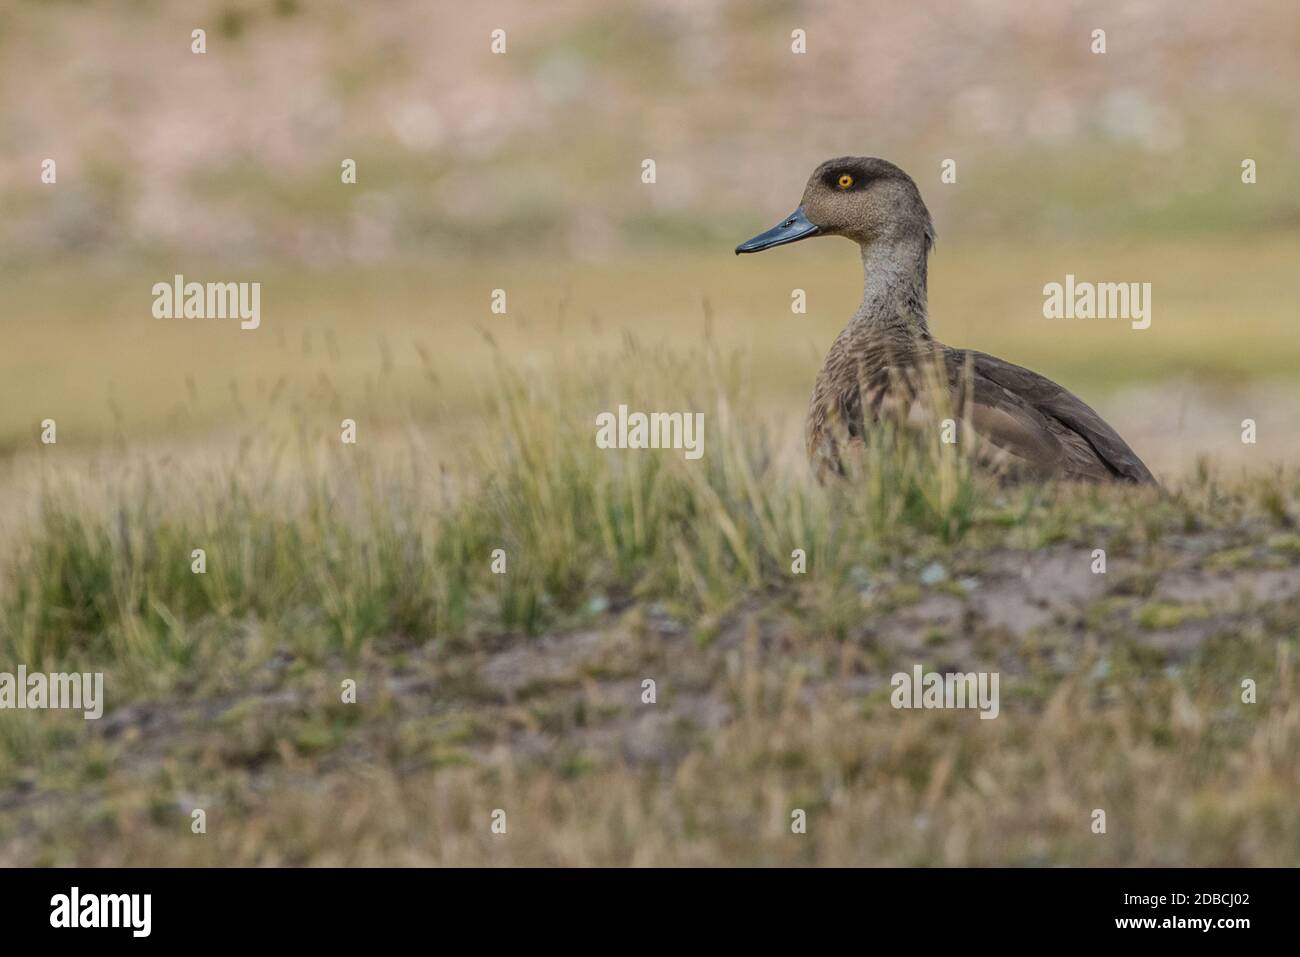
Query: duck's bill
790	230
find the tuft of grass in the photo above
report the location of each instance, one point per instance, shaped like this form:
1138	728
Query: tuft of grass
326	562
1161	614
339	548
334	548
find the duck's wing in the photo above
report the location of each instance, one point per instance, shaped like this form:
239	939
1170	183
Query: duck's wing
1037	421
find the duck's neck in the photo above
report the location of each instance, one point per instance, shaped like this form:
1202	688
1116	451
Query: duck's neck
893	288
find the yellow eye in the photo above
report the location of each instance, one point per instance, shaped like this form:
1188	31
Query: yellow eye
846	181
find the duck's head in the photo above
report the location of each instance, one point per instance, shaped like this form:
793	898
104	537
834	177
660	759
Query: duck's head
859	197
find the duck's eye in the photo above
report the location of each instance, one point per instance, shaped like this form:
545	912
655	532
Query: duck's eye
845	181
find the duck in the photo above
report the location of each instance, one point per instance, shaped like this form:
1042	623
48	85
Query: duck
885	361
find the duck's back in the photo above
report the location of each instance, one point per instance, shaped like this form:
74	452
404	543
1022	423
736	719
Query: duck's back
1026	424
1048	426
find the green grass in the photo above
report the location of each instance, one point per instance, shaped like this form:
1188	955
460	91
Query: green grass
373	562
368	343
370	544
363	542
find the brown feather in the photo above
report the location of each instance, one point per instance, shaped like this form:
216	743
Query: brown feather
885	360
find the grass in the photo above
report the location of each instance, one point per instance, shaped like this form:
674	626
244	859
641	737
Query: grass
82	348
523	691
378	550
329	564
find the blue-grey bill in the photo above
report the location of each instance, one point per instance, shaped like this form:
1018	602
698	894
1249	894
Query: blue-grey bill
790	230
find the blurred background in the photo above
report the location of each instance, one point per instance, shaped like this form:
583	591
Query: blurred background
522	171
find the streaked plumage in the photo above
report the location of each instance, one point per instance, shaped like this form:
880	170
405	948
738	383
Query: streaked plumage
1024	424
